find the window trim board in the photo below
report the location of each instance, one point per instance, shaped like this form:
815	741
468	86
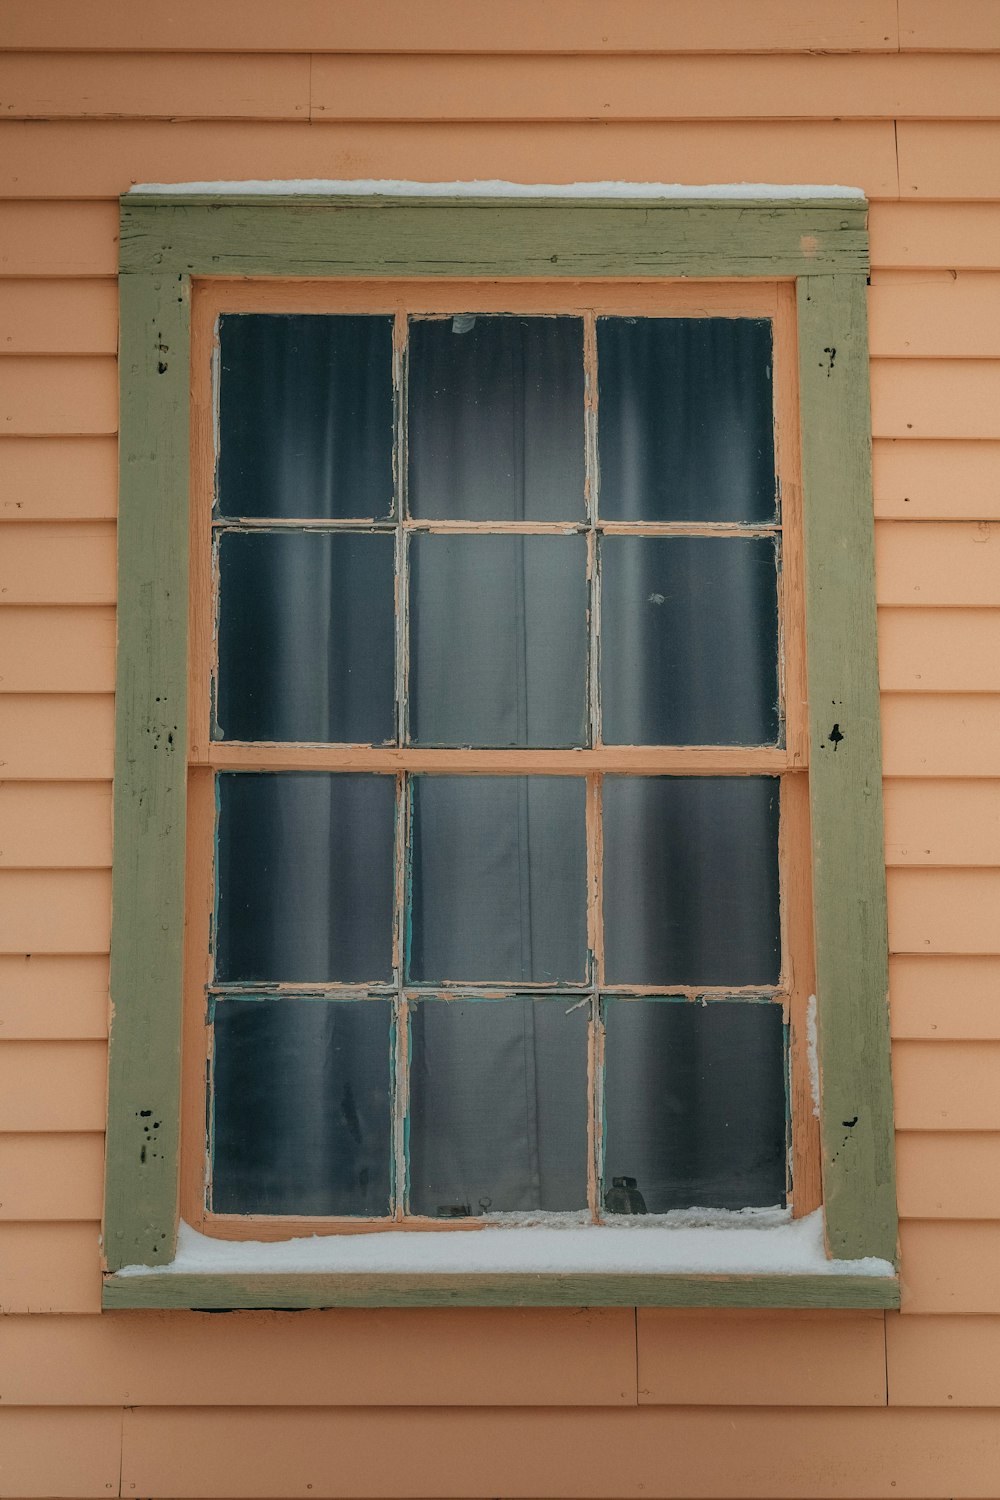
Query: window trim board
822	245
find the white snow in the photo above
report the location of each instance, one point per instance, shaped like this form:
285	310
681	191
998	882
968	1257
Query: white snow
495	188
709	1242
812	1052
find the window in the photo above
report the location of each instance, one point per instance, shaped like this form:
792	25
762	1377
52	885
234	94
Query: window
496	760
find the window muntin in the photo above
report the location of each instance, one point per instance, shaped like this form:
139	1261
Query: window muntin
762	540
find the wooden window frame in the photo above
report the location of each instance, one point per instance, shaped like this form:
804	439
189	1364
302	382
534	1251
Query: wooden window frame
812	253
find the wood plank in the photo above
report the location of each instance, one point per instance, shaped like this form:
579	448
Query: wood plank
939	650
944	911
950	1268
935	314
942	823
966	25
384	1358
452	26
59	239
50	1268
60	1452
957	236
63	996
945	998
929	481
58	317
72	563
57	650
55	911
93	159
652	87
938	563
58	478
936	398
755	1358
692	1452
64	737
948	1176
71	395
941	735
183	86
61	825
948	160
943	1361
946	1086
53	1086
51	1177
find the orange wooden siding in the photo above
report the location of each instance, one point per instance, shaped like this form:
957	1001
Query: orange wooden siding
900	99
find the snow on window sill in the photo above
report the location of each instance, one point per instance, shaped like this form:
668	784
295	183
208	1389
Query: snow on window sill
496	188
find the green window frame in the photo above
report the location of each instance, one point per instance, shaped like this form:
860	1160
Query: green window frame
819	243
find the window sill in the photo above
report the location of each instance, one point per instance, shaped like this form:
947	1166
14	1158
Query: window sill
757	1261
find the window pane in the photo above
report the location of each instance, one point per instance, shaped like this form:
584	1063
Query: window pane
689	640
305	416
302	1112
306	636
305	877
498	879
686	427
694	1102
496	419
498	1106
498	640
691	880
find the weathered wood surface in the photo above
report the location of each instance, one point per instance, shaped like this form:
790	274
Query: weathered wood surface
58	478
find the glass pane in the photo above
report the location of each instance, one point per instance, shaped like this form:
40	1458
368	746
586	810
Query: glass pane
686	426
302	1112
689	640
694	1101
305	877
496	419
498	1107
691	880
498	640
305	416
306	636
498	879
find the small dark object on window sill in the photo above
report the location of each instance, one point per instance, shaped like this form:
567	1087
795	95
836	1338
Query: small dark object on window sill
624	1197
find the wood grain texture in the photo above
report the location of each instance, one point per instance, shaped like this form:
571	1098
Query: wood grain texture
948	1175
948	160
953	823
928	734
754	1358
693	1453
51	1177
97	159
71	1453
945	1086
936	399
70	396
513	26
397	1357
57	737
49	1268
59	996
935	314
58	478
943	1361
945	998
939	650
845	775
53	1086
936	480
57	650
151	780
944	911
73	563
58	317
958	236
59	239
950	1268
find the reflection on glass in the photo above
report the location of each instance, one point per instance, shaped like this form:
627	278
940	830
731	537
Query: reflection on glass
302	1114
498	879
306	636
498	640
689	640
498	1107
496	418
695	1103
305	877
686	426
305	416
691	880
